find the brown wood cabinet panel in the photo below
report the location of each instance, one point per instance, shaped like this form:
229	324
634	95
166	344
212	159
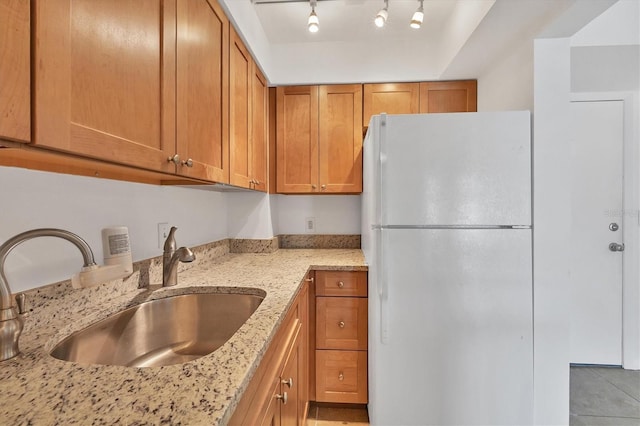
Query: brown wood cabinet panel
390	98
105	79
202	90
297	139
272	140
448	96
341	376
341	283
340	138
15	57
341	323
290	384
240	87
259	129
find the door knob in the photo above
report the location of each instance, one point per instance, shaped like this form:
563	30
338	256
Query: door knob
616	247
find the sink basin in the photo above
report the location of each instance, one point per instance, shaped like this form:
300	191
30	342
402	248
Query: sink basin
167	331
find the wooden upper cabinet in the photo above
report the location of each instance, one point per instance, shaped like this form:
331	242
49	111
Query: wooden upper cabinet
240	120
319	139
390	98
259	129
104	79
297	139
15	84
202	90
248	103
340	138
448	96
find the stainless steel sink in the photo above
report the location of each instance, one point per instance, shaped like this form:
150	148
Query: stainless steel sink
167	331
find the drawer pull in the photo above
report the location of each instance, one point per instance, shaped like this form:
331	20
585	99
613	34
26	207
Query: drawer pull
341	376
341	324
340	284
288	382
282	397
309	280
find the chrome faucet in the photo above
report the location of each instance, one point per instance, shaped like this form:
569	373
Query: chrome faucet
171	257
11	322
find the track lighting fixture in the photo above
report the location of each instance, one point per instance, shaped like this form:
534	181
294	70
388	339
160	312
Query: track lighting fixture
418	16
313	24
383	14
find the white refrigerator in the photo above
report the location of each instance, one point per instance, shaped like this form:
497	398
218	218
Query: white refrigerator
446	232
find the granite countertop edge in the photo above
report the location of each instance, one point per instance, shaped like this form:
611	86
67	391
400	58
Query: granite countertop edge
38	389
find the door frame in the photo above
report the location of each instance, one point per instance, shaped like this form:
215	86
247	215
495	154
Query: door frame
631	211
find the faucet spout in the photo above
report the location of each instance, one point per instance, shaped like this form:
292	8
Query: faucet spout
11	323
171	257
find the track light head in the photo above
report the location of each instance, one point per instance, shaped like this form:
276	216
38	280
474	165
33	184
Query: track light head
418	17
313	23
383	14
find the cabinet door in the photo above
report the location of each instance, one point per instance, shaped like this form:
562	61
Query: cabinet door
203	90
15	55
259	129
272	413
340	138
105	79
448	96
291	382
297	139
240	87
391	98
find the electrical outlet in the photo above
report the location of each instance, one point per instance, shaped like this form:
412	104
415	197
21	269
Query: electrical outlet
310	225
163	233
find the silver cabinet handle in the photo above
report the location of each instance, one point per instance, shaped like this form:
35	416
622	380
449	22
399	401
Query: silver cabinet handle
323	187
341	376
340	284
288	382
282	397
616	247
188	163
341	324
313	186
175	159
309	280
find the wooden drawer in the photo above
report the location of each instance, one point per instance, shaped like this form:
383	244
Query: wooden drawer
341	283
341	376
341	323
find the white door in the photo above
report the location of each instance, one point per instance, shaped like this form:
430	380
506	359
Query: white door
598	221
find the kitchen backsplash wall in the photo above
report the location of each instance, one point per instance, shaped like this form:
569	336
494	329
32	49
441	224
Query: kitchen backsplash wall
32	199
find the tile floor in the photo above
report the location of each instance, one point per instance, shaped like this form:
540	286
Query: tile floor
602	396
321	415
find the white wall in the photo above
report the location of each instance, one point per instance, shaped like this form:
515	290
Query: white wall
32	199
552	220
508	85
334	214
251	215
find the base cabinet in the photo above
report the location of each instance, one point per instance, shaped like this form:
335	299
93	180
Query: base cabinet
340	344
277	395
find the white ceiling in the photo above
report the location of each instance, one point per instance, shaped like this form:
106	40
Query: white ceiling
458	39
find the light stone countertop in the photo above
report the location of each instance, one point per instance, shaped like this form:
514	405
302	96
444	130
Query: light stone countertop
37	389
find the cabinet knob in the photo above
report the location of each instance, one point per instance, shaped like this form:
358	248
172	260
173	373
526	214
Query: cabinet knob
282	397
340	284
288	382
323	187
313	186
188	163
309	280
341	324
175	159
341	376
257	182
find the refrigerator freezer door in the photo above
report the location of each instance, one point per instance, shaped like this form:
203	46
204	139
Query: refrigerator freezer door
456	169
460	345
